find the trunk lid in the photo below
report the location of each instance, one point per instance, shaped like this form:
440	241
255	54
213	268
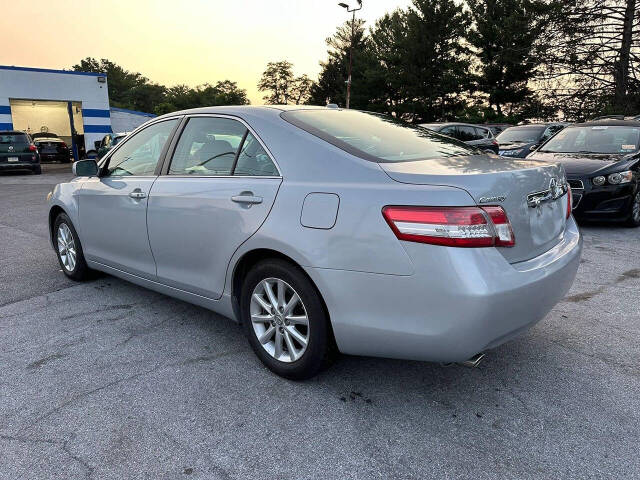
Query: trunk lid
493	180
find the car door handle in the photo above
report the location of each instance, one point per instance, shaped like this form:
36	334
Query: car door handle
137	193
247	199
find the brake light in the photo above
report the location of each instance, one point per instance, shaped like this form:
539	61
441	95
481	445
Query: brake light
64	145
569	201
451	226
32	148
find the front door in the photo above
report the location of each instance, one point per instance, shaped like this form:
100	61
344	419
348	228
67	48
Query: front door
113	207
219	188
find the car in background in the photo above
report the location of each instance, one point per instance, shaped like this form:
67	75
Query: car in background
235	209
109	141
497	128
521	140
17	152
51	147
477	136
602	161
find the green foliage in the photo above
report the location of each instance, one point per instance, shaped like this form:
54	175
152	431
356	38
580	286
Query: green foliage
135	92
282	86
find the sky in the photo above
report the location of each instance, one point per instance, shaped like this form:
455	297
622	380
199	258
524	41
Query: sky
179	42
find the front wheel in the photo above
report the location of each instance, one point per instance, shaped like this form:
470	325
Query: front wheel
634	217
284	320
69	249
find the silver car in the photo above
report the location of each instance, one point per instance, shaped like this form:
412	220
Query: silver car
325	230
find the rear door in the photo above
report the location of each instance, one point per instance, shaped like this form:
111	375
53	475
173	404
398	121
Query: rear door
218	189
113	207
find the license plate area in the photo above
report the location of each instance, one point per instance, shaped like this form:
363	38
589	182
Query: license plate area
12	159
547	221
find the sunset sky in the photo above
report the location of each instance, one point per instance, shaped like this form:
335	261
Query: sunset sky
171	42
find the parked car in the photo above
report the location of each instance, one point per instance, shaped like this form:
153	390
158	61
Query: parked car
51	147
497	128
602	161
109	141
521	140
17	152
474	135
318	227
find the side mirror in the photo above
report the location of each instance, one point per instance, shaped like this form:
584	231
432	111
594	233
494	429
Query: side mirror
85	168
96	144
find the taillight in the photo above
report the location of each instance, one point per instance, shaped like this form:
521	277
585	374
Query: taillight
64	145
32	148
451	226
569	201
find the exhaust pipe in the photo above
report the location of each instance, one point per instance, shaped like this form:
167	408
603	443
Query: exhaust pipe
474	361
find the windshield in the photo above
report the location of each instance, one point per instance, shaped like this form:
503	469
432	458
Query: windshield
596	139
521	135
13	138
375	137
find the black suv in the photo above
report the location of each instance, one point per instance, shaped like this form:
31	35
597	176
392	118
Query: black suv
17	152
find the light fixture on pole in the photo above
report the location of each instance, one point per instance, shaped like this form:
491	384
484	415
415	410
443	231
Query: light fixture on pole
353	21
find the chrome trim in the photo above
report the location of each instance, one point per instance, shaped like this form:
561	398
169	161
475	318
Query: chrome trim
556	190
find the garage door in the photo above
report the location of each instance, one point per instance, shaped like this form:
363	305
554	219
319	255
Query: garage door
34	116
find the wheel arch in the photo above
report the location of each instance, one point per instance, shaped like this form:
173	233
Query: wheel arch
54	211
251	258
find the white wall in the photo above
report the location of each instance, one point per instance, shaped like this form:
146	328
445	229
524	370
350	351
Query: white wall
41	84
126	121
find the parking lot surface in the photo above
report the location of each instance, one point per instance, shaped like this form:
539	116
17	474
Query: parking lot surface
108	380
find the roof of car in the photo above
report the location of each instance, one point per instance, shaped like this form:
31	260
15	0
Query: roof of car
266	110
609	122
449	124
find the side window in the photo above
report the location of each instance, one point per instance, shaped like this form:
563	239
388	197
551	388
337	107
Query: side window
451	131
482	133
140	154
466	133
207	147
254	160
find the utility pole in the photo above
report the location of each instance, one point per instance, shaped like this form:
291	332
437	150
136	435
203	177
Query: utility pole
353	22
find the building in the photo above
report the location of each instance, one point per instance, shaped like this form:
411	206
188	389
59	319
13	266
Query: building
73	105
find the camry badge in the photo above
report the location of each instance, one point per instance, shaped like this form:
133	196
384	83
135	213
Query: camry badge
557	188
497	198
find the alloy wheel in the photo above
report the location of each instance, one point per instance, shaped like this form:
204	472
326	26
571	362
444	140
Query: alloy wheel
66	247
279	319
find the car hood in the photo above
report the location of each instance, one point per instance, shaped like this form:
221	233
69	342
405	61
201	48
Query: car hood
580	163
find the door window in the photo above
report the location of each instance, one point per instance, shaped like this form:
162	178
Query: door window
207	147
467	134
482	132
451	131
254	160
139	155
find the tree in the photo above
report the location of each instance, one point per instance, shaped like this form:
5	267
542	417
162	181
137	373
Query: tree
593	63
278	80
331	84
134	91
505	39
301	89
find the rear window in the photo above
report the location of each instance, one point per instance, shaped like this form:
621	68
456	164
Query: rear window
13	138
374	137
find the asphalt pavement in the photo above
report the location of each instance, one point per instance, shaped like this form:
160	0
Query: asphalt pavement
108	380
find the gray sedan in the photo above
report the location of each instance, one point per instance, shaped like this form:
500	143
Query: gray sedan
325	230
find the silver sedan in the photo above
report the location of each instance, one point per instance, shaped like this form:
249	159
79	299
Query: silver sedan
324	230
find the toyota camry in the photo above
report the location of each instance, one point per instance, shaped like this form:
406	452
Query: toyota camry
324	230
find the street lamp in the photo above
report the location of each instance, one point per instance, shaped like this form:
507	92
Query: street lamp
353	21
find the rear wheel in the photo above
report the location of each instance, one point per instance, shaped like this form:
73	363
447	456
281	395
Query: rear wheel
634	217
69	249
37	170
284	320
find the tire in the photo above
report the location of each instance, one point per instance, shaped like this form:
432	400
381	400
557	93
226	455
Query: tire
306	361
77	269
634	211
37	170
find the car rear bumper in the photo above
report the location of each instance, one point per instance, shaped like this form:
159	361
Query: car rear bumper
19	166
458	303
55	157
